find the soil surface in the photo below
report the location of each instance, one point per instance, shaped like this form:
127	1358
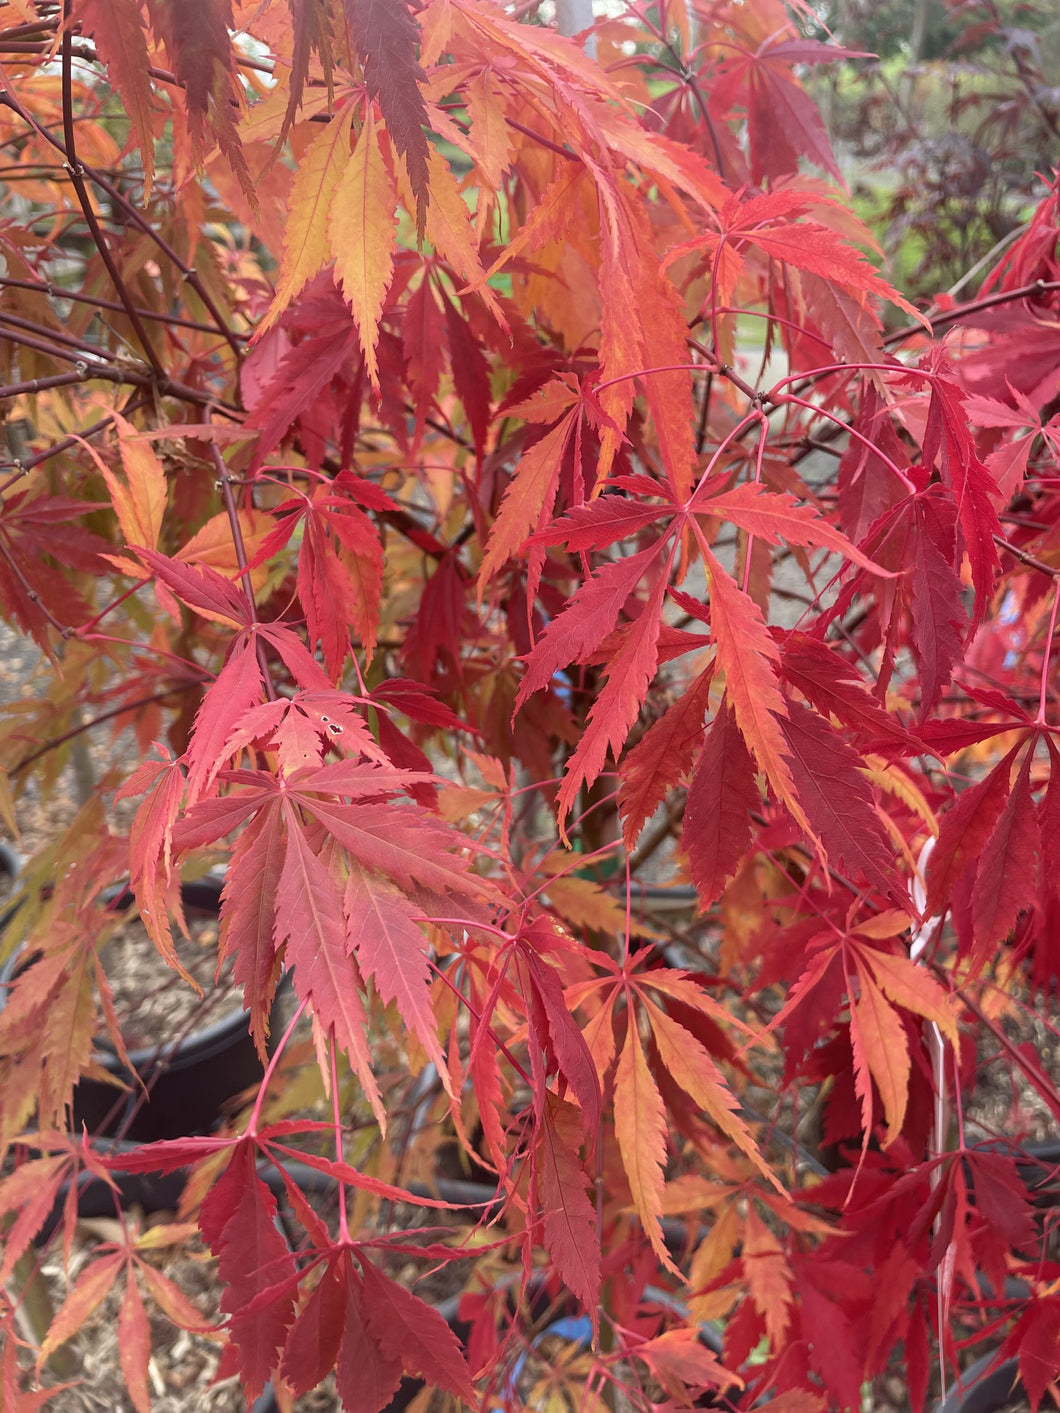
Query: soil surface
153	1003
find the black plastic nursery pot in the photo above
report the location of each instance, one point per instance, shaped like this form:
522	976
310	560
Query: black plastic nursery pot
985	1387
176	1085
188	1081
10	867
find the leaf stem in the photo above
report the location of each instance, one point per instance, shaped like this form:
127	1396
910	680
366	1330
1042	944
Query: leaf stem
344	1229
225	486
270	1069
763	438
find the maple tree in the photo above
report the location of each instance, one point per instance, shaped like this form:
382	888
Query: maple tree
488	482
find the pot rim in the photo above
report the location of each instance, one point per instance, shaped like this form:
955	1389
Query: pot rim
203	1043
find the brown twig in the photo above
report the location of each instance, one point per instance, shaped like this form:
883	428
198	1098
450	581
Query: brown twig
77	177
58	292
56	741
1025	558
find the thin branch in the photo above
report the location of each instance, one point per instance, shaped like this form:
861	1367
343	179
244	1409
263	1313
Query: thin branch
77	177
59	292
77	353
69	340
36	385
56	741
1025	558
133	215
31	594
196	396
974	306
539	137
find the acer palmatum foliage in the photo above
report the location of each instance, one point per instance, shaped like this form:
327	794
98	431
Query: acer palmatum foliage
477	479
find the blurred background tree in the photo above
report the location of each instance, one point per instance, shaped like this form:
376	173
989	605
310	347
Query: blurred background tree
945	133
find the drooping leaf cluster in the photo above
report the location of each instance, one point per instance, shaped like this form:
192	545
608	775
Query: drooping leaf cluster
490	492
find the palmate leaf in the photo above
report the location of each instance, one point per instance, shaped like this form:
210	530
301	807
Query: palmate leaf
767	222
471	373
769	1277
201	588
599	523
310	22
1049	824
654	310
586	620
238	686
938	619
662	755
117	28
781	517
422	345
30	1191
198	35
172	1301
140	500
567	1215
834	687
238	1220
629	672
134	1343
383	932
1008	867
964	830
879	1042
784	122
680	1355
306	245
689	1064
248	915
838	800
717	824
366	1375
749	658
313	1341
292	392
332	601
91	1288
300	729
448	227
340	565
640	1128
386	34
558	1034
36	529
396	841
907	984
67	1047
948	440
280	895
310	920
528	495
408	1330
361	234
